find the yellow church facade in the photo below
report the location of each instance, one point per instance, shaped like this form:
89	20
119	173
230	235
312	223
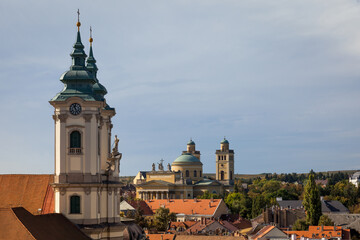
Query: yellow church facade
183	179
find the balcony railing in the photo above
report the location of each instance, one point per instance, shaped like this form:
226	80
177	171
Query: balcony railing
75	151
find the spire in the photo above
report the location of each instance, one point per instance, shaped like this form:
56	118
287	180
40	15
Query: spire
78	55
99	89
91	62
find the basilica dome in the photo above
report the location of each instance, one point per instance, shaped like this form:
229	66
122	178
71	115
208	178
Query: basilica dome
187	159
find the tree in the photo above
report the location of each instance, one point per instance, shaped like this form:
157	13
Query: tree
239	203
162	217
258	204
139	218
300	225
207	195
312	203
325	221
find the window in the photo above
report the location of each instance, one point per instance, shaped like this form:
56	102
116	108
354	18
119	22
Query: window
200	174
218	157
75	204
224	157
222	175
187	174
230	175
195	173
75	139
75	142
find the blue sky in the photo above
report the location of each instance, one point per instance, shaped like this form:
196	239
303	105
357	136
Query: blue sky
280	79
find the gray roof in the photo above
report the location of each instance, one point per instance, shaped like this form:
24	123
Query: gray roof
356	175
293	204
326	206
333	207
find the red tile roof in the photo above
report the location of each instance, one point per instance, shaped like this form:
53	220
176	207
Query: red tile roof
17	223
200	225
194	237
318	232
229	226
161	236
187	206
185	224
142	205
11	227
29	191
262	232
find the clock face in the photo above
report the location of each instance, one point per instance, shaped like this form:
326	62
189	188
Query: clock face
75	109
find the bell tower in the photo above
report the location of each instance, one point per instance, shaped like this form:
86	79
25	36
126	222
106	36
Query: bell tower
225	163
86	180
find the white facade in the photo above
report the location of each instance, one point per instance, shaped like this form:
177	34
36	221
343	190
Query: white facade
82	171
355	179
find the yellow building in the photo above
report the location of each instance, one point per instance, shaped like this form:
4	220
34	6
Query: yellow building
184	179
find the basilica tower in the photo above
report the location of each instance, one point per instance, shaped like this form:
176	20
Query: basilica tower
225	163
86	180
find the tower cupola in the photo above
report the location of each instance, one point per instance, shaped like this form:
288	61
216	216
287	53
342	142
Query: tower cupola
78	80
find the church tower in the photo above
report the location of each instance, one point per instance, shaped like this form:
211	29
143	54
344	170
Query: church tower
225	163
86	181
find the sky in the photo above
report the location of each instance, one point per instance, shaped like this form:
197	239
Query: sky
280	79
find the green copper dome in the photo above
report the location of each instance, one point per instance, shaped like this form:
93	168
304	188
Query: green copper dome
185	159
224	141
191	142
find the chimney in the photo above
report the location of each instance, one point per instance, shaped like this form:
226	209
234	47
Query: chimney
195	200
209	204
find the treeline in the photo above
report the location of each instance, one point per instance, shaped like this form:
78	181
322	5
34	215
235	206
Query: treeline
251	196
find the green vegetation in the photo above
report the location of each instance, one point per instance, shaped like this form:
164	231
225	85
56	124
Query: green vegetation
208	195
311	202
300	225
325	221
256	192
162	217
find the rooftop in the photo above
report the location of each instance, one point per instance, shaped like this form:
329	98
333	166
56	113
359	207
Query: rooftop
187	206
29	191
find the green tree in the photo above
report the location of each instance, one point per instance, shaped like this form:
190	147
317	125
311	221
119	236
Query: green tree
139	218
258	204
239	203
207	195
312	204
300	225
162	217
325	221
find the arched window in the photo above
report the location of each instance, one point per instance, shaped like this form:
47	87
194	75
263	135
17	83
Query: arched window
187	174
75	142
75	204
195	173
230	175
222	175
218	157
224	157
